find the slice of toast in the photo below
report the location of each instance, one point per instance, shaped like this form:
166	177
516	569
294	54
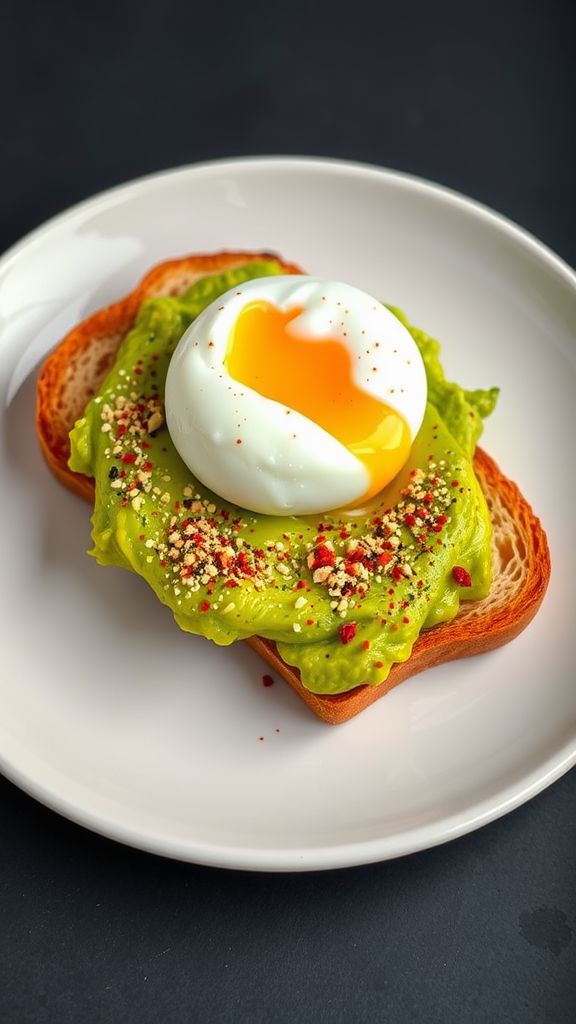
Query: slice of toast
72	374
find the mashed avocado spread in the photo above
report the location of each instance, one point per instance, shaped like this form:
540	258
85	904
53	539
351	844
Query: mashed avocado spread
344	595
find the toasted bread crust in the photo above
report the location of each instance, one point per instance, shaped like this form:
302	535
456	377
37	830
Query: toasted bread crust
479	627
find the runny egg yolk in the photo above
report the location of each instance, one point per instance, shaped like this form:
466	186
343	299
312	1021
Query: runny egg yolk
314	377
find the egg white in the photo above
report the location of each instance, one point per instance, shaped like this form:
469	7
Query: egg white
285	464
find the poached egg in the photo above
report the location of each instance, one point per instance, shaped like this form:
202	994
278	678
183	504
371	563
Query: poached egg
295	395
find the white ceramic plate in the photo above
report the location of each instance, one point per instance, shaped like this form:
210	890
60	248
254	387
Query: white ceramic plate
112	716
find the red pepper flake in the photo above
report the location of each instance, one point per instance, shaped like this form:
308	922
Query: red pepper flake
204	606
145	445
267	681
347	632
378	664
365	645
323	556
441	520
397	573
238	440
300	585
384	558
462	576
142	536
405	619
121	431
309	622
320	539
243	564
147	466
357	555
129	458
455	483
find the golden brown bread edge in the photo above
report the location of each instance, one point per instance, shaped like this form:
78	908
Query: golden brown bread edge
520	542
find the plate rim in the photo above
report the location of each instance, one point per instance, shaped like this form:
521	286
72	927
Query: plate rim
341	855
326	858
415	181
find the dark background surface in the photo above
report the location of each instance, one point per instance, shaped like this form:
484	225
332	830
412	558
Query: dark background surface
481	99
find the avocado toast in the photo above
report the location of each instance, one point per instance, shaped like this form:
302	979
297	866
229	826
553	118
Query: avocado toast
343	607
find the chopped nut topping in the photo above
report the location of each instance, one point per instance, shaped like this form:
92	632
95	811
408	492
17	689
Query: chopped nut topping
197	544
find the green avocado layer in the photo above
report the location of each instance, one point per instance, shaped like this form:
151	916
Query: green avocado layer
344	596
